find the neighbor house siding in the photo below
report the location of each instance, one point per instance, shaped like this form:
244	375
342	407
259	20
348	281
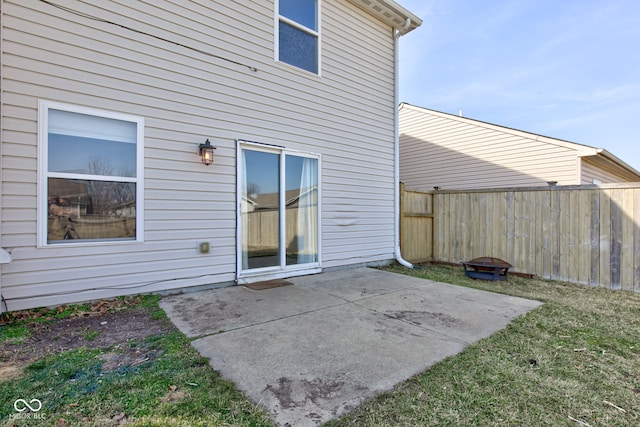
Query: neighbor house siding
346	115
442	151
452	152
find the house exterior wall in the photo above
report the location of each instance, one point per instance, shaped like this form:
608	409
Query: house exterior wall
439	149
346	115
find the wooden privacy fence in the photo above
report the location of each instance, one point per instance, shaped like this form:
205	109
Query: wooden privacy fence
581	234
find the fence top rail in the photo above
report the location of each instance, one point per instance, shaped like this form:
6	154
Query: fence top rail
624	185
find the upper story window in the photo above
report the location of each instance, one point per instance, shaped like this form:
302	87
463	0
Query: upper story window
91	175
299	34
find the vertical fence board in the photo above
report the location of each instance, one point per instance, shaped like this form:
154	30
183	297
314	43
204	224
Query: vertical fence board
531	232
466	227
455	227
527	236
485	215
636	239
572	219
594	241
402	228
627	249
500	232
555	233
517	256
475	224
446	219
605	238
438	229
540	244
583	238
564	233
616	238
547	237
511	223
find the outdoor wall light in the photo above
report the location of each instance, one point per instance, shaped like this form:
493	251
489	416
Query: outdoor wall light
206	152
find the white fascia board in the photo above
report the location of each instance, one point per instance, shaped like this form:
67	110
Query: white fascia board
391	13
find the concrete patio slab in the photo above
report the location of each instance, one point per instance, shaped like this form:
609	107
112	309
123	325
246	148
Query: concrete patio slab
358	283
476	314
313	351
218	310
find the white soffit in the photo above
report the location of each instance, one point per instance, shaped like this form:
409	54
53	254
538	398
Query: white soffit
390	12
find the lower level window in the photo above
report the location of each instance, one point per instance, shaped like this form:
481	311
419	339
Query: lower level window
91	175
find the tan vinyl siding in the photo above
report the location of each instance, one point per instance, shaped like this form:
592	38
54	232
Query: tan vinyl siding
439	150
593	174
346	115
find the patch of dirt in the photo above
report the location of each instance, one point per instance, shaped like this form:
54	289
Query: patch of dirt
10	371
120	331
173	396
418	318
295	393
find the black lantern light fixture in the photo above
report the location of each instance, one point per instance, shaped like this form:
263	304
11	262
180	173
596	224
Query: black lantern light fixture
206	152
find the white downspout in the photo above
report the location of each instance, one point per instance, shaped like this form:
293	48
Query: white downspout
396	143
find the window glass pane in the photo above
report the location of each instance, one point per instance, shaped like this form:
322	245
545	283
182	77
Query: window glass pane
77	154
77	124
301	209
90	210
260	209
298	48
301	11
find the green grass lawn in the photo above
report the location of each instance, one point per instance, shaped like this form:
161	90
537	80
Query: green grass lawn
164	383
574	361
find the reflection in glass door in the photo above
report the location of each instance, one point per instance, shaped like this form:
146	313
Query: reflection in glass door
301	206
260	209
279	222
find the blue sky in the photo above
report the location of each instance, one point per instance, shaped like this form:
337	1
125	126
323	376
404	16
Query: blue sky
568	69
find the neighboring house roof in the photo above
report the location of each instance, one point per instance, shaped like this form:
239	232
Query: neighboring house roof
440	148
269	201
391	13
606	160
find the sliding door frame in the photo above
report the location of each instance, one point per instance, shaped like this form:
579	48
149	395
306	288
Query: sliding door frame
282	270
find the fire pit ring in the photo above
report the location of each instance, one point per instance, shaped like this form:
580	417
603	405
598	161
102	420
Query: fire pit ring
487	268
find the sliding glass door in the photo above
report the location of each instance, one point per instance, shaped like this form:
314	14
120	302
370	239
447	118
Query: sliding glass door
278	211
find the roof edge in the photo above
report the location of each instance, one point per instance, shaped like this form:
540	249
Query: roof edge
391	13
586	149
611	158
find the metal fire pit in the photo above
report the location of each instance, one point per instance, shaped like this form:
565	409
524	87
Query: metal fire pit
487	268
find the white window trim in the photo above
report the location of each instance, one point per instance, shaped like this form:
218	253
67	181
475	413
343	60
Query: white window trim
43	173
275	272
317	33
